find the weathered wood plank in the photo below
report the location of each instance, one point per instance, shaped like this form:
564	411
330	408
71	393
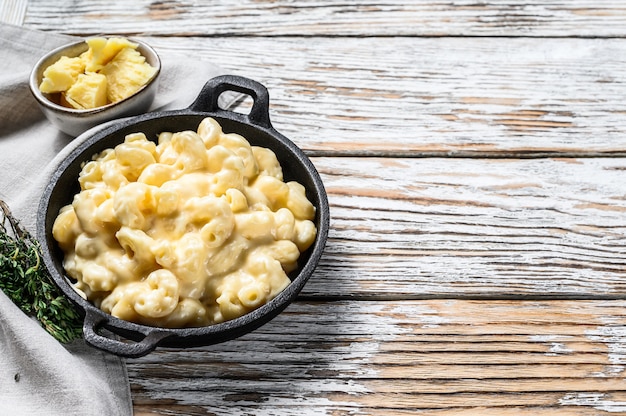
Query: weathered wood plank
382	18
404	80
13	11
442	97
355	357
473	228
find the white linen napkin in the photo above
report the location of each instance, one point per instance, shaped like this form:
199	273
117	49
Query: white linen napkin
38	375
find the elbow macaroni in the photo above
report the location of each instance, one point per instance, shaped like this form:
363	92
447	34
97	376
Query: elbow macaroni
193	230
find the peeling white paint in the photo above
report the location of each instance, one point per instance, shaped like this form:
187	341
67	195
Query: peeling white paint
610	371
13	11
557	348
421	314
614	337
597	401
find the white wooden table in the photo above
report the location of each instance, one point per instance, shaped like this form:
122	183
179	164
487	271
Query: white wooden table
475	159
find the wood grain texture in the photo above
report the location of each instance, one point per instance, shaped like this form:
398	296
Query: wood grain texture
402	357
466	227
474	155
328	18
461	97
13	11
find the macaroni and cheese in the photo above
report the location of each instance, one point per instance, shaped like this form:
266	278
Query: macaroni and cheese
194	229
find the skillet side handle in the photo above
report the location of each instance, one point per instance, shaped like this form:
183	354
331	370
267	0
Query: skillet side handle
122	349
207	100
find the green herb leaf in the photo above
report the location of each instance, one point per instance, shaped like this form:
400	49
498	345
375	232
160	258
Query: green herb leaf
26	281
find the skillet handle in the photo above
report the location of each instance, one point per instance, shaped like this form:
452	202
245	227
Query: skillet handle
123	349
207	100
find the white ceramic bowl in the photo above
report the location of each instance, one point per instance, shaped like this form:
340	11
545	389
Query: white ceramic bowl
74	121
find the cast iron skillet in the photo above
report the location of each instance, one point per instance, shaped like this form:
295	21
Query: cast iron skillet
256	127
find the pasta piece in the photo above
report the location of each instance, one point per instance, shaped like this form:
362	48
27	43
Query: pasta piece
112	176
157	174
284	251
257	200
276	191
161	298
255	225
66	228
133	160
226	179
220	157
124	267
191	151
88	247
140	141
188	313
190	185
166	201
268	270
210	131
227	258
166	153
284	224
253	295
298	203
91	175
119	303
163	137
189	253
240	146
229	306
105	213
215	233
98	277
85	205
305	234
137	246
127	206
237	200
267	162
204	209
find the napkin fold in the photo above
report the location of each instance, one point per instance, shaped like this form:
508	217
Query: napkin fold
38	375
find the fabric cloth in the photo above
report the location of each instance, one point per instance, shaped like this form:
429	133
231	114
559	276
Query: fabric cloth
38	375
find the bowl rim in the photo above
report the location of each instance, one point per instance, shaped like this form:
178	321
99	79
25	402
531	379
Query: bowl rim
144	48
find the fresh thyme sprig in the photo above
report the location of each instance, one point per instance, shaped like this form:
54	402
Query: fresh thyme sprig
26	281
